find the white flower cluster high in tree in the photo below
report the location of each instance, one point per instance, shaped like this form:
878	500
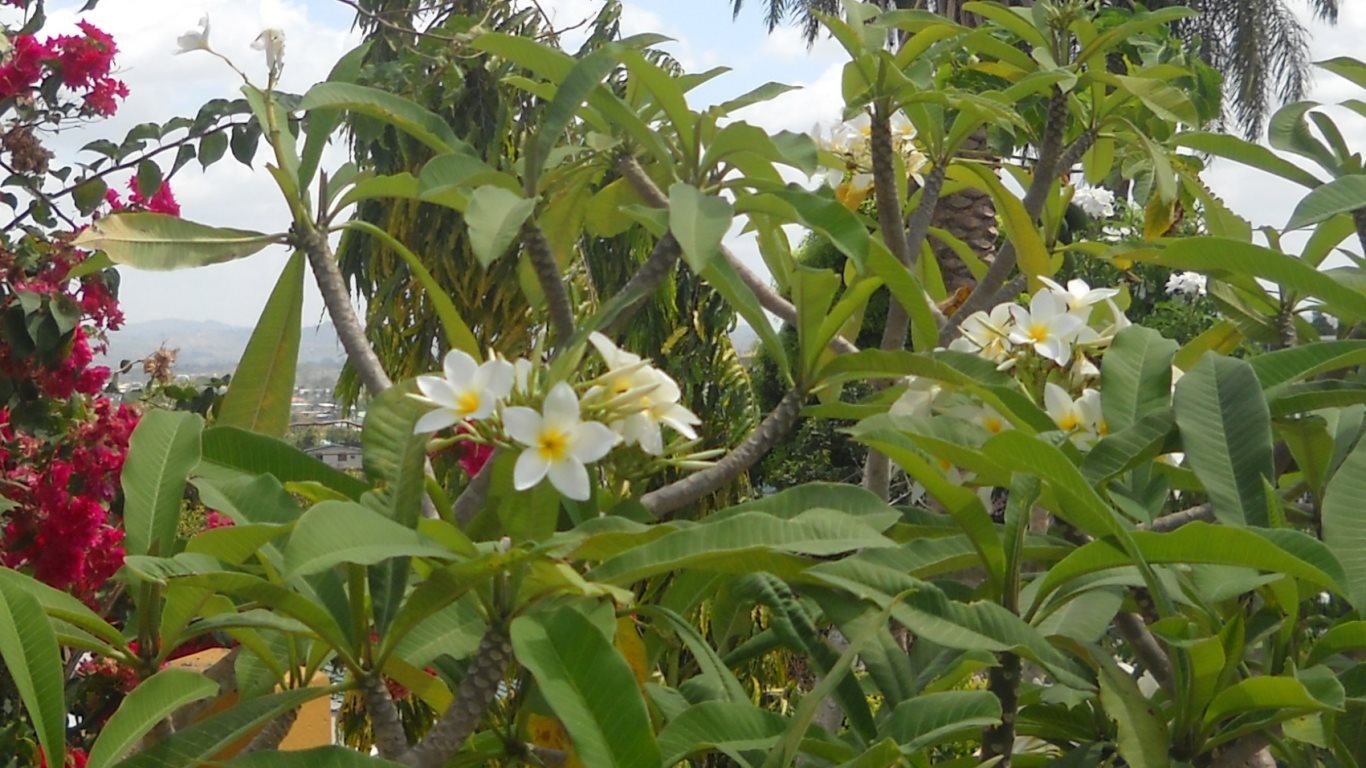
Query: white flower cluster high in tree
851	144
1051	346
496	403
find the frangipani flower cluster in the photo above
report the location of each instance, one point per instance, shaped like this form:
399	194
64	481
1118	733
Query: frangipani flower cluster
1060	326
495	404
852	142
1051	345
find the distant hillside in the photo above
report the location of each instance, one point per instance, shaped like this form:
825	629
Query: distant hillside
211	347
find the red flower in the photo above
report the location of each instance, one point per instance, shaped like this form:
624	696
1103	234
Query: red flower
24	68
75	758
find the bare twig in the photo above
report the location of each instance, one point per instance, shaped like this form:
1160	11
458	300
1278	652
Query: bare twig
664	501
658	266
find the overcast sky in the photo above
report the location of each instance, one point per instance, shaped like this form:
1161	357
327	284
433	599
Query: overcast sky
319	31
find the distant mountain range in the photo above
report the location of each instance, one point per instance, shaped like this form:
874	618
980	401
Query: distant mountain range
208	347
211	347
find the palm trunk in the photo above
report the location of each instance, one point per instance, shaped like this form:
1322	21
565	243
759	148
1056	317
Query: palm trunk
970	216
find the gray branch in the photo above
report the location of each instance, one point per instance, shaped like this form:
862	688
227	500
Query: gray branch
338	302
390	739
1146	648
472	699
775	426
274	733
552	283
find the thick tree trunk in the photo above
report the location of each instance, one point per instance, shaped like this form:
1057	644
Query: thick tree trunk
970	216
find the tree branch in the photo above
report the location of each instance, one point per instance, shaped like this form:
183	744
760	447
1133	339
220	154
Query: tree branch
552	283
1169	523
663	501
338	302
1146	648
222	672
476	692
768	298
1359	217
647	280
1004	683
274	733
390	739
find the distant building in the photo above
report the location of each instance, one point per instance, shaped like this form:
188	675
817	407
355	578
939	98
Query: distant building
337	456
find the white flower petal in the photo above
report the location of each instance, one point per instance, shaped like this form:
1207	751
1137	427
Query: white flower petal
500	376
561	406
459	368
591	441
435	389
435	421
570	478
529	470
523	425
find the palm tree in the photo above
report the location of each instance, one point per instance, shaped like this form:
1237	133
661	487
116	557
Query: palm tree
1261	46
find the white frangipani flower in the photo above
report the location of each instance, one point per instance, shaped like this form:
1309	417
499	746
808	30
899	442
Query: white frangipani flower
984	416
468	390
1081	419
1047	326
986	334
918	399
1187	284
195	41
272	41
655	398
1079	296
1095	201
558	443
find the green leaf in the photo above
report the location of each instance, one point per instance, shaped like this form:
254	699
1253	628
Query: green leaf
1261	693
1344	524
936	718
1272	551
720	275
335	532
1136	376
395	459
582	79
589	686
162	450
158	242
713	671
28	647
152	701
1289	132
212	148
1226	431
62	606
1284	366
89	195
1143	739
1165	101
211	736
318	757
742	543
1344	194
495	217
1346	67
408	116
1019	226
726	727
259	394
458	333
230	453
698	222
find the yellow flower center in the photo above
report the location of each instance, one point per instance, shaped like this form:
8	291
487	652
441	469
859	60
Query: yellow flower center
1038	333
993	424
553	445
1069	422
467	402
1102	428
